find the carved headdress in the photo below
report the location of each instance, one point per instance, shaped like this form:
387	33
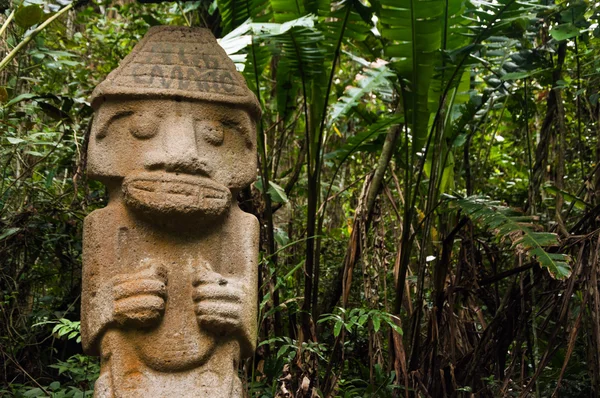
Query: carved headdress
178	62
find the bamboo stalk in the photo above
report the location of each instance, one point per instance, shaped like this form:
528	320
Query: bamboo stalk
7	22
34	33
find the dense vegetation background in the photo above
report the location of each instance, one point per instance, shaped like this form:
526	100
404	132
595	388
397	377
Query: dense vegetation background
429	191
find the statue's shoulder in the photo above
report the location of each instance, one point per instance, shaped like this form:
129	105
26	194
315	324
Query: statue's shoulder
102	218
248	220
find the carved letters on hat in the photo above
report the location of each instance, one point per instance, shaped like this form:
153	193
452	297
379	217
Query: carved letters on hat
178	61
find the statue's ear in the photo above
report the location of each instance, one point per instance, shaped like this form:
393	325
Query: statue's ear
243	167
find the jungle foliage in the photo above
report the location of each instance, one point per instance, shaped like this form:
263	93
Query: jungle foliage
428	191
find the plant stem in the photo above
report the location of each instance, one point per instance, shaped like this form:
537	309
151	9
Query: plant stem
7	22
33	33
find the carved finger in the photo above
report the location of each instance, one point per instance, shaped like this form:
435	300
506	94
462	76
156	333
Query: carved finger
131	305
219	293
209	277
139	287
217	323
138	309
220	309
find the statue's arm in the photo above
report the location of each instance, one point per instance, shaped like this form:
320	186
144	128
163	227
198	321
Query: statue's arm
119	289
250	241
226	299
96	299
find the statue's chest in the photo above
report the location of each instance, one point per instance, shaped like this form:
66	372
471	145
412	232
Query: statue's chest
178	343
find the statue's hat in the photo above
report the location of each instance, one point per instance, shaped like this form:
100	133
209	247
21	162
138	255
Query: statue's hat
182	62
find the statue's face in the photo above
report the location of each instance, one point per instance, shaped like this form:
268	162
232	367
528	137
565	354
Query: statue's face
173	157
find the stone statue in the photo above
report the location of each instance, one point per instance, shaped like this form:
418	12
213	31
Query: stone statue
170	264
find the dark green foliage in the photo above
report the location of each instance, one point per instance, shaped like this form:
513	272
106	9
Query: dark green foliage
430	226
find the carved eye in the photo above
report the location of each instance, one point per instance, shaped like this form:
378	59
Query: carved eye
211	131
143	126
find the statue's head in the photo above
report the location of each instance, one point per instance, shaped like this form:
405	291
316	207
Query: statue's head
175	127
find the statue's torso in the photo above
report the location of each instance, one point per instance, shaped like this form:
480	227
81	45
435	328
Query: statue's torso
175	351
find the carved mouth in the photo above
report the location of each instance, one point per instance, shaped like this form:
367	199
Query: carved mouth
175	194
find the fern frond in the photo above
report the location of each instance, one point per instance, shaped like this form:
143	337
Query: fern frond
367	82
235	12
506	222
359	141
296	42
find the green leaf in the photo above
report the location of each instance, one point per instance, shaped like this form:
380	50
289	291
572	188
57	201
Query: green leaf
191	6
213	7
281	236
276	192
376	322
8	232
15	140
579	203
564	31
396	328
414	30
282	351
20	98
372	79
27	16
34	392
348	327
299	46
511	224
353	144
337	328
363	318
235	12
521	75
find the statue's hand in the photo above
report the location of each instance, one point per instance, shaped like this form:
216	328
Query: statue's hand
218	303
139	298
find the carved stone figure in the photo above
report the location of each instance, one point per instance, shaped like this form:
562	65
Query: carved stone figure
170	264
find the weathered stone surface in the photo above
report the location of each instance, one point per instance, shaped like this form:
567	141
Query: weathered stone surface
170	264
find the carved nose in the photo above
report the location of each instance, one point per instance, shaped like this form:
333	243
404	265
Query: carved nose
178	152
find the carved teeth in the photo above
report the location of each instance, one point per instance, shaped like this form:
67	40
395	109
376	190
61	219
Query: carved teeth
198	187
179	193
143	185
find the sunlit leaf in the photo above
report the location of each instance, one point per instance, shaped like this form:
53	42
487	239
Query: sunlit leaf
20	98
564	31
15	140
8	232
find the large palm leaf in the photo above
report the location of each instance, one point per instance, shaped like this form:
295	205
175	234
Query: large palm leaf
413	31
235	12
